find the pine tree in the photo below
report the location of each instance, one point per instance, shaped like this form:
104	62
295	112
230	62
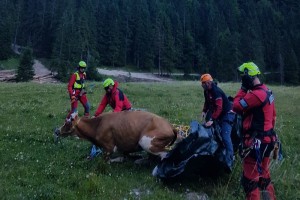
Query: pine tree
6	21
92	73
5	41
141	42
25	70
188	53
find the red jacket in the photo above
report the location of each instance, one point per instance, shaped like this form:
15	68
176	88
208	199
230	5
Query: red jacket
257	109
116	99
216	102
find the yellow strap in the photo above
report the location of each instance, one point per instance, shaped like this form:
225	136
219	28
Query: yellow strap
183	130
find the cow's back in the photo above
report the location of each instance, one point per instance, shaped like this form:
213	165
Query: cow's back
129	127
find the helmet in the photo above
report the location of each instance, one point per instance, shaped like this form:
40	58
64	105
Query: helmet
82	64
205	78
108	82
250	68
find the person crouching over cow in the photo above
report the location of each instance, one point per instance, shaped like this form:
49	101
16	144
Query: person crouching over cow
116	99
220	109
76	90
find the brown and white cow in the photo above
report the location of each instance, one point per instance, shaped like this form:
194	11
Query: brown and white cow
126	132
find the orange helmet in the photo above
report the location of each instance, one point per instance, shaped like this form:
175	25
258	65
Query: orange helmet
205	78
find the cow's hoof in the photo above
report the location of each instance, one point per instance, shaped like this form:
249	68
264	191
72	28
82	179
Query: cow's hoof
89	157
154	172
142	161
118	159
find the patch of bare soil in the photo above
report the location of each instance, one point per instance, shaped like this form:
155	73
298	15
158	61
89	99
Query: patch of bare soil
7	75
42	74
133	76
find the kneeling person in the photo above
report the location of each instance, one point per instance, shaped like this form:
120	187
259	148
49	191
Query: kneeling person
114	97
117	101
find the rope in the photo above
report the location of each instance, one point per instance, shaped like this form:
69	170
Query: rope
182	130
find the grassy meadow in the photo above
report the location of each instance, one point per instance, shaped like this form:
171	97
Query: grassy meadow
33	167
9	64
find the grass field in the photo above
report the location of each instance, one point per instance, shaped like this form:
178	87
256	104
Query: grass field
11	63
33	167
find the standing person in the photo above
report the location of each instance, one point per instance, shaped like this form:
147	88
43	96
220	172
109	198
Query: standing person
255	102
116	99
76	90
218	108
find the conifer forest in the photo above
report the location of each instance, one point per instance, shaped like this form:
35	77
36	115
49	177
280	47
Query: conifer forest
164	36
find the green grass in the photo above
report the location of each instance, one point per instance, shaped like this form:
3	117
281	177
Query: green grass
11	63
33	167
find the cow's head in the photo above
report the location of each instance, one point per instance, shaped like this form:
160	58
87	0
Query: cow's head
69	126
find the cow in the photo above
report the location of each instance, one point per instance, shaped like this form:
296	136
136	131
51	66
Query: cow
125	132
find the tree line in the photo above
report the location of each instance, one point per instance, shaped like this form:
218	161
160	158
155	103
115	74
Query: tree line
192	36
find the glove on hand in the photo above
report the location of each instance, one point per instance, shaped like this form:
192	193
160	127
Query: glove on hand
209	123
73	99
246	83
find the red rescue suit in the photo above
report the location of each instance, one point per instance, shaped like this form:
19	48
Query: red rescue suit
76	90
258	111
116	99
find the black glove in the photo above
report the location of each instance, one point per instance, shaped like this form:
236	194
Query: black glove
247	82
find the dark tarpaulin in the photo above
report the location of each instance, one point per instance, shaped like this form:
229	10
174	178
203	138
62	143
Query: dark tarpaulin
200	153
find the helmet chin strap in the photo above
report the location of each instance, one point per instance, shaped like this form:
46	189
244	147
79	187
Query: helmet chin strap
251	84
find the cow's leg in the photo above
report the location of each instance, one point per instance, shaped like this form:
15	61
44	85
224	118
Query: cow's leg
154	146
117	159
112	150
107	156
108	149
142	161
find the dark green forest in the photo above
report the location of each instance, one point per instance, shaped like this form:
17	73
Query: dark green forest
163	36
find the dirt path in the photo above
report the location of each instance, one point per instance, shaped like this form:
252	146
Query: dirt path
133	76
44	75
40	69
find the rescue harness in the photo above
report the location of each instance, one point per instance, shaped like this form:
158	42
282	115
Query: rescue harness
256	138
